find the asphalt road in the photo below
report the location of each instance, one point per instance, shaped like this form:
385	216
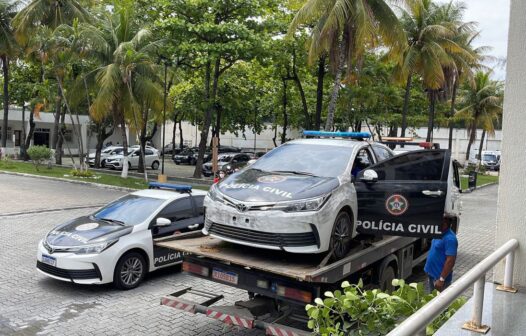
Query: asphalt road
32	304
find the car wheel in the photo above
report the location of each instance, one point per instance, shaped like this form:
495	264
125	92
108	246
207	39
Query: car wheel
103	164
341	236
177	163
129	271
155	165
129	166
386	281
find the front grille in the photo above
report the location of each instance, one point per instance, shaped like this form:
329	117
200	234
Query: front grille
69	274
264	238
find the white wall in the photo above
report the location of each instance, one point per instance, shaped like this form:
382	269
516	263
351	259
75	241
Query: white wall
511	210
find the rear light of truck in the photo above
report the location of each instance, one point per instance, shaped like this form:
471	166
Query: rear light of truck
196	269
294	294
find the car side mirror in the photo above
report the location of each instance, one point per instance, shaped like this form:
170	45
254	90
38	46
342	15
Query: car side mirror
369	176
161	221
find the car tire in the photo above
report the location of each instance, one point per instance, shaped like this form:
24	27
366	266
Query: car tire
103	164
386	279
155	165
341	236
129	271
129	166
176	163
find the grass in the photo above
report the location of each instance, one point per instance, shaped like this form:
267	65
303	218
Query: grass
65	173
481	179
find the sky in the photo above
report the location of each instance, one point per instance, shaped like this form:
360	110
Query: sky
493	19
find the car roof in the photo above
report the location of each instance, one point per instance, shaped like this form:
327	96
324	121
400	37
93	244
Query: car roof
330	142
167	194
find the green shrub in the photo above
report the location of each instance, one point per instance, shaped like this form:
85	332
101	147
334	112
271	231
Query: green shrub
356	311
39	155
84	173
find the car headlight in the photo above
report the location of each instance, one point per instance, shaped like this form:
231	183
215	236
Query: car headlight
93	248
214	194
311	204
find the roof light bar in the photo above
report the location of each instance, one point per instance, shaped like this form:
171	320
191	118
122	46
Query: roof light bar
169	186
351	135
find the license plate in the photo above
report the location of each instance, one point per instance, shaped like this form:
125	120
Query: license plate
49	260
221	275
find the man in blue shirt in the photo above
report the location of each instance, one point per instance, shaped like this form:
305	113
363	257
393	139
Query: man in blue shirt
441	258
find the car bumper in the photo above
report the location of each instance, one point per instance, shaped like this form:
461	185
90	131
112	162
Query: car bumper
76	268
296	232
114	164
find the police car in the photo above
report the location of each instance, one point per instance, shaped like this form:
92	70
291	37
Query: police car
115	243
314	195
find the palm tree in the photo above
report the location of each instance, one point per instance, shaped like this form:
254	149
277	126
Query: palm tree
344	29
127	80
482	101
8	48
428	39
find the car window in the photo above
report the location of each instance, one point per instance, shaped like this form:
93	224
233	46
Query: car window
117	151
178	210
148	152
131	209
362	161
225	158
412	166
199	205
316	159
107	151
382	153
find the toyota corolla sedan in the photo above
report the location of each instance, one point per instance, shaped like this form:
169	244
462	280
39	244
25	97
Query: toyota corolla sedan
314	195
115	243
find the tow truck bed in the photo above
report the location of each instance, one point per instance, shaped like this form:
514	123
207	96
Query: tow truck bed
305	268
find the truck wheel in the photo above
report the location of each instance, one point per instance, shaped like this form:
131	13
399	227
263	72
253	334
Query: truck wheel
341	236
129	271
386	281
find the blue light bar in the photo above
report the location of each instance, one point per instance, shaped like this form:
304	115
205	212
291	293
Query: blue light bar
351	135
169	186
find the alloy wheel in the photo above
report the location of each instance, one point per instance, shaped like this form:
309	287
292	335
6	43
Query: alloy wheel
131	271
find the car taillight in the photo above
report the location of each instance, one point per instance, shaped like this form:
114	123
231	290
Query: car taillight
193	268
293	293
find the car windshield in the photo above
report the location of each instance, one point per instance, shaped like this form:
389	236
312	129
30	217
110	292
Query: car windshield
314	159
489	157
224	158
131	209
118	151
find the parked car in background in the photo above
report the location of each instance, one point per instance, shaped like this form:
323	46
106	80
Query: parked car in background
171	150
151	159
489	159
227	162
228	149
187	156
104	154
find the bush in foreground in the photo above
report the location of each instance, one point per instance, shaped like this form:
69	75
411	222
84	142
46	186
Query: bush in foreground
39	155
356	311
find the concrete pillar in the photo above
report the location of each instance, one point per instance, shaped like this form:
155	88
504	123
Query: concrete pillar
511	212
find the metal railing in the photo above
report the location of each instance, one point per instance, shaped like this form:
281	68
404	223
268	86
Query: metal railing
416	323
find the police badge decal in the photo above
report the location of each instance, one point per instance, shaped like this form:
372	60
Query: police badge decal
396	205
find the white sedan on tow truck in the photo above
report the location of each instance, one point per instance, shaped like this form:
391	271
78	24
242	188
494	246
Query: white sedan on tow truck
115	243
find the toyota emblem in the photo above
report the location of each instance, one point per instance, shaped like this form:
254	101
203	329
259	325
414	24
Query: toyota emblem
241	207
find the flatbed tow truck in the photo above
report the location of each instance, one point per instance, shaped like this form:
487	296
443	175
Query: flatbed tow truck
279	285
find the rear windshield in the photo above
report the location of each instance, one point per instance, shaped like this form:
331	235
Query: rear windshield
319	160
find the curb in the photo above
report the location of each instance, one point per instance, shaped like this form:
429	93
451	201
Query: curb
468	191
98	185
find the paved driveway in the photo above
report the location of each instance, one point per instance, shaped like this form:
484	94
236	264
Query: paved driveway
32	304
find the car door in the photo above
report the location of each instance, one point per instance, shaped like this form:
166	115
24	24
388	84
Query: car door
182	214
148	157
404	195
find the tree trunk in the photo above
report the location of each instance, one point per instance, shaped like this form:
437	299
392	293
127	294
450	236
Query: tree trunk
60	140
406	104
5	71
431	120
56	122
319	91
210	104
98	150
29	137
481	145
274	138
174	129
124	173
218	126
297	80
23	140
180	134
336	88
285	116
452	114
472	137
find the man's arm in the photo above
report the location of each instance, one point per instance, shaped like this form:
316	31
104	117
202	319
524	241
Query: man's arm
446	270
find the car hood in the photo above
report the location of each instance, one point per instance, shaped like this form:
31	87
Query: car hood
84	231
252	185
